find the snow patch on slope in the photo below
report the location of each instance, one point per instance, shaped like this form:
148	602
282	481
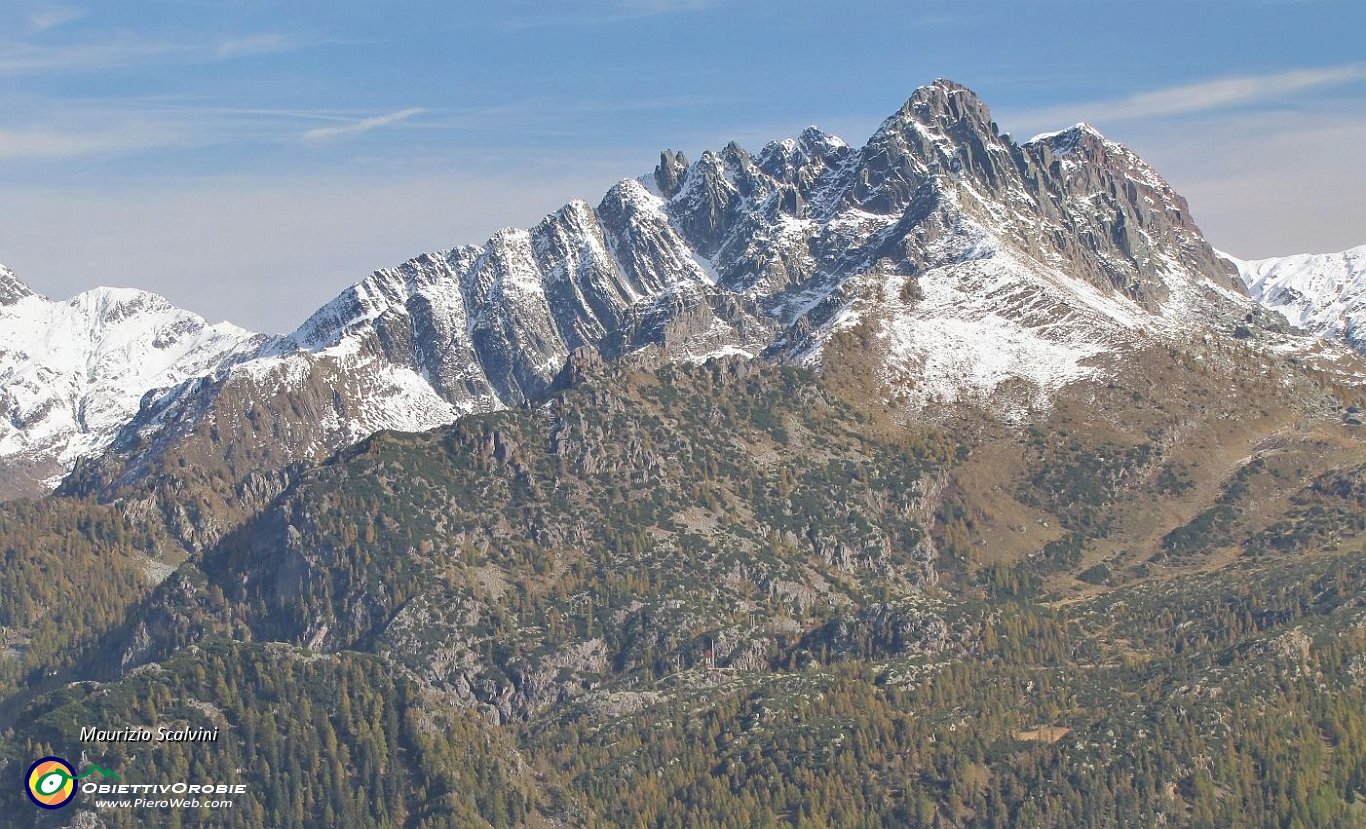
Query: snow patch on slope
985	323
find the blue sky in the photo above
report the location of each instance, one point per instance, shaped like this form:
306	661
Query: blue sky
249	159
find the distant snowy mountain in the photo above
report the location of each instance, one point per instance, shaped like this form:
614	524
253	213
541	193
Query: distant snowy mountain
977	269
1322	293
73	373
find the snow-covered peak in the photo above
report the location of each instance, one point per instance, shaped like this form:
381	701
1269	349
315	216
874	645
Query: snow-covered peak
633	191
815	141
106	307
1068	140
1082	144
385	292
940	107
800	161
73	372
1323	293
11	288
577	211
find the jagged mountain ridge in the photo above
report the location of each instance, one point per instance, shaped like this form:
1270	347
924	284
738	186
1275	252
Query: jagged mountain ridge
1324	294
978	264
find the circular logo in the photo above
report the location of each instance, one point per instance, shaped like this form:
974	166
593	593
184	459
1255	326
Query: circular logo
51	782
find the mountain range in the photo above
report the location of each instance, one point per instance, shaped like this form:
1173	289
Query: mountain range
946	481
986	270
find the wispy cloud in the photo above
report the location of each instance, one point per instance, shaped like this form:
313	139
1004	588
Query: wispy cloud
264	43
39	144
25	57
592	12
52	17
19	57
650	7
119	127
46	130
1218	93
363	125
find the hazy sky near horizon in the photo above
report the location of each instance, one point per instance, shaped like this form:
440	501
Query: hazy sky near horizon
249	159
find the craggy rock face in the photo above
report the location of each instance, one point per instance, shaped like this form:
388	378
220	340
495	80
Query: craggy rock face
11	289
